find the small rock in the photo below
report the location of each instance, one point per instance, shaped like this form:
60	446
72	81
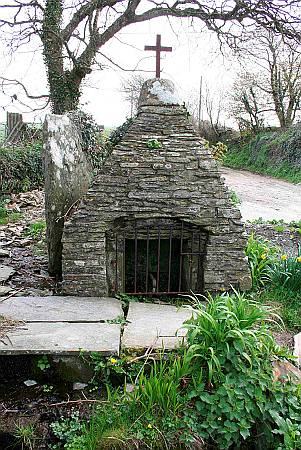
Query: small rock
79	386
29	383
4	252
6	272
4	290
284	371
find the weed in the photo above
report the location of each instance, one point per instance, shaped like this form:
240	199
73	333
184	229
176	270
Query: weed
37	229
235	200
43	363
6	215
26	436
153	144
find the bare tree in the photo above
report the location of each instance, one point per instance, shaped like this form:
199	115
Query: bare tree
73	32
247	103
272	85
131	88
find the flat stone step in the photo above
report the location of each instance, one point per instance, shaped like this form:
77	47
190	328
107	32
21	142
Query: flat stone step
61	309
62	338
154	325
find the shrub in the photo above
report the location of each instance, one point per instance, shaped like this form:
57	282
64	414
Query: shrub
238	402
21	167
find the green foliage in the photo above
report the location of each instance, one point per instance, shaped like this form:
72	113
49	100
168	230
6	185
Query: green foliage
235	200
153	144
287	302
26	436
37	229
286	273
238	400
89	130
68	431
219	150
261	255
117	134
43	363
6	215
21	167
276	153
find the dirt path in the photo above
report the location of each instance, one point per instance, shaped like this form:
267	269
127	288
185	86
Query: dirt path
264	196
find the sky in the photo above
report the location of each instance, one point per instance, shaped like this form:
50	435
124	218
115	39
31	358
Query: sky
195	55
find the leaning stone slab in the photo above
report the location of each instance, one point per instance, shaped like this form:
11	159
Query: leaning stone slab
62	338
152	325
297	347
6	272
61	309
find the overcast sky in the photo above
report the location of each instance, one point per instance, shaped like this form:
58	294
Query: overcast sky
195	55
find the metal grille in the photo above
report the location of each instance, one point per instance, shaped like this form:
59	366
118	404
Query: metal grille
158	260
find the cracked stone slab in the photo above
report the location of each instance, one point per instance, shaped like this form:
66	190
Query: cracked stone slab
6	272
297	347
61	309
154	325
62	338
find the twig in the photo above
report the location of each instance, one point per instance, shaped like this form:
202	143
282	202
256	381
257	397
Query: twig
11	295
86	400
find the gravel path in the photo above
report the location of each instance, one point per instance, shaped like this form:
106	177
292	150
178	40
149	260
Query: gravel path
264	196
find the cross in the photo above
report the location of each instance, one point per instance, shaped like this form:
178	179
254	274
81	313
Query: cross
158	49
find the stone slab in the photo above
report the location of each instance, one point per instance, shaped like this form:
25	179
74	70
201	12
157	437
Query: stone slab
154	325
62	338
6	272
61	309
297	347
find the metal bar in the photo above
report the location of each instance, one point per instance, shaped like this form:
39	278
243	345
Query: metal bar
136	259
116	263
147	259
123	268
190	260
169	257
181	257
158	261
198	281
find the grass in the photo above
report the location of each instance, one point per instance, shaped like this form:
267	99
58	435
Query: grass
277	154
6	215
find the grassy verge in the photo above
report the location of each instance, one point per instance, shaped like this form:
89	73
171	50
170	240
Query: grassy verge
276	153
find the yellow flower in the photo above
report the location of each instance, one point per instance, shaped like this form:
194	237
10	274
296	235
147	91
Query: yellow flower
113	360
263	256
299	259
149	425
283	257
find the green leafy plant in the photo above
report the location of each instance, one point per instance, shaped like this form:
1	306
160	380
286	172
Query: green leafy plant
261	255
37	229
69	432
43	363
235	404
235	200
153	144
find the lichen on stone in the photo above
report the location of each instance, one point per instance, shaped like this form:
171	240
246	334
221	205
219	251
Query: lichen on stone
163	94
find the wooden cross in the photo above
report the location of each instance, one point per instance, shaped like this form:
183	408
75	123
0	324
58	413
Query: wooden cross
158	49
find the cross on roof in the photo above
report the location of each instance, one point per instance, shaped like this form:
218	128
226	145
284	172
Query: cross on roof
158	49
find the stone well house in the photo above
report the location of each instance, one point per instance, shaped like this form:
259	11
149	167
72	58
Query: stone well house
157	218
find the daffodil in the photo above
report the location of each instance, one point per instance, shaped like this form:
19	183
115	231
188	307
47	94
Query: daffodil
299	259
283	257
149	425
263	256
113	360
